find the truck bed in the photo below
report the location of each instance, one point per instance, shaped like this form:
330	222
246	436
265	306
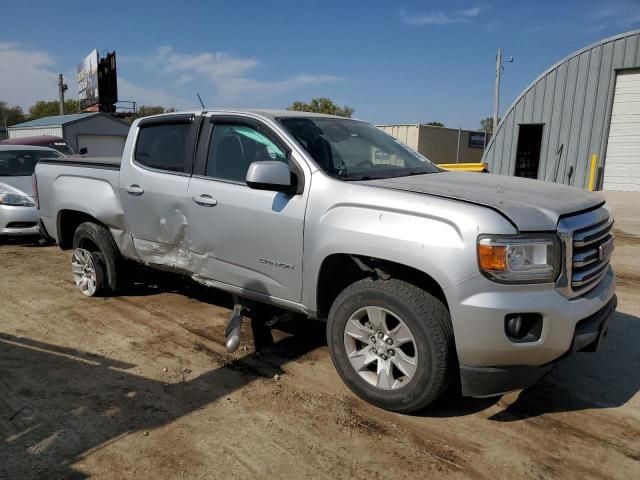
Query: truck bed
84	184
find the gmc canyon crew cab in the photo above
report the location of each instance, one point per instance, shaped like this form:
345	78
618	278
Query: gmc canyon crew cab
425	277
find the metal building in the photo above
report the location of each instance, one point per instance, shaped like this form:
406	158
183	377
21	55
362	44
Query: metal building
440	144
583	113
100	133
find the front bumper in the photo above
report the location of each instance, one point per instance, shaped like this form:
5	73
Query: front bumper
18	220
479	306
490	362
489	381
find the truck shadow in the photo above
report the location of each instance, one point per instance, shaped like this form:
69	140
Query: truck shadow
58	403
606	379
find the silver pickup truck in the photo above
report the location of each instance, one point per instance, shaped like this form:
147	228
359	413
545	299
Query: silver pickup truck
426	278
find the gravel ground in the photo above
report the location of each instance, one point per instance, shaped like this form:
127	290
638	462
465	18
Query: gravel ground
140	386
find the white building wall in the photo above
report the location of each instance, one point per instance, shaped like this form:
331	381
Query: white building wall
34	131
407	134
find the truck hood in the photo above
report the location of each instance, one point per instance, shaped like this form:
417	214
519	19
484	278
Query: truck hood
532	205
17	185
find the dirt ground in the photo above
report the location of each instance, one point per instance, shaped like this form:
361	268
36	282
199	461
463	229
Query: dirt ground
140	386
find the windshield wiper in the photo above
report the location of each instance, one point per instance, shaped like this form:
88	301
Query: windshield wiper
358	178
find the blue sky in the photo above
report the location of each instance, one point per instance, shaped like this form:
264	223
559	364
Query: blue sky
394	62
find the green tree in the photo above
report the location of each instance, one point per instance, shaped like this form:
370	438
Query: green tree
486	124
43	108
146	110
435	124
10	115
322	105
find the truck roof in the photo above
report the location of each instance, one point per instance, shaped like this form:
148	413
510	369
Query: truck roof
267	113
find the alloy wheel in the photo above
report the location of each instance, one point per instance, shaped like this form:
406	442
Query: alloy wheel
380	348
84	271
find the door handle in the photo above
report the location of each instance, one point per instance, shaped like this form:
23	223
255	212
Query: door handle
205	200
135	189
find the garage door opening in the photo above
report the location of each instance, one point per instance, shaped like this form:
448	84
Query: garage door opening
102	145
528	152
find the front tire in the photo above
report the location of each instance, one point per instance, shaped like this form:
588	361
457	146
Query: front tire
392	343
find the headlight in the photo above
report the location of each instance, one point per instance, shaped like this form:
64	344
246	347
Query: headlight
520	258
15	200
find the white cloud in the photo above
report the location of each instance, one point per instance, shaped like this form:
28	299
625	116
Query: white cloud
128	91
471	12
26	75
183	79
440	17
617	15
244	86
29	75
214	65
230	77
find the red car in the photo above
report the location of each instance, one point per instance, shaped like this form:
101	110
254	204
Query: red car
57	143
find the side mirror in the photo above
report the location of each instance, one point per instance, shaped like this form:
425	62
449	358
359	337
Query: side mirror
83	151
270	175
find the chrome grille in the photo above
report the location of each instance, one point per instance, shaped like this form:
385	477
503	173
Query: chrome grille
587	243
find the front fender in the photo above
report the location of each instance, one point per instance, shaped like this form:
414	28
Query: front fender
434	235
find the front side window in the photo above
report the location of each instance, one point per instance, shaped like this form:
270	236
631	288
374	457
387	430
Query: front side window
234	147
163	146
22	163
354	150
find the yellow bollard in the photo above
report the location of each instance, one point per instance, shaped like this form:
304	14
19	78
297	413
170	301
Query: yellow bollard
592	173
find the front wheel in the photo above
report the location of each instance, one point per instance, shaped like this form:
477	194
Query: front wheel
392	343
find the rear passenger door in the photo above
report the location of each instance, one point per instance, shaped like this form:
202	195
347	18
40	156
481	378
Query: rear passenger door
246	238
153	189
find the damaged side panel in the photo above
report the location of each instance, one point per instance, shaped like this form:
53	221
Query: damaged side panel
171	248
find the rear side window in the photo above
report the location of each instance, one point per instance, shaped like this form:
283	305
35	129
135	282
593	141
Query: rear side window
163	146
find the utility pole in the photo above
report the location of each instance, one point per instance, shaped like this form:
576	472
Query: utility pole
62	87
496	102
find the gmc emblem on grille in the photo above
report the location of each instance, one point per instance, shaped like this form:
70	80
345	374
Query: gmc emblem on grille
605	249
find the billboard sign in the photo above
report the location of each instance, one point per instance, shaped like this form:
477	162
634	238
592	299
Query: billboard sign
88	94
108	82
477	139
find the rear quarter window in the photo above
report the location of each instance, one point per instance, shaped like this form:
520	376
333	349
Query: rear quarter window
163	146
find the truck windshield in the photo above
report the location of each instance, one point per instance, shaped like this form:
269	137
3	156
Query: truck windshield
354	150
22	163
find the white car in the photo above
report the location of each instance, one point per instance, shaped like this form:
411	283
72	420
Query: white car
18	213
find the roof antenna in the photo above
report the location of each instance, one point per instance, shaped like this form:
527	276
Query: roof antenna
200	98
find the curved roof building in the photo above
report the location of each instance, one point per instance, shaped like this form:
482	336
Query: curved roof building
586	104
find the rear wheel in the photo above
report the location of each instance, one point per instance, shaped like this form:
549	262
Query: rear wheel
392	343
96	263
88	272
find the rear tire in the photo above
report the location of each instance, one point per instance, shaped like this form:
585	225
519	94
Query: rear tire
97	240
392	343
